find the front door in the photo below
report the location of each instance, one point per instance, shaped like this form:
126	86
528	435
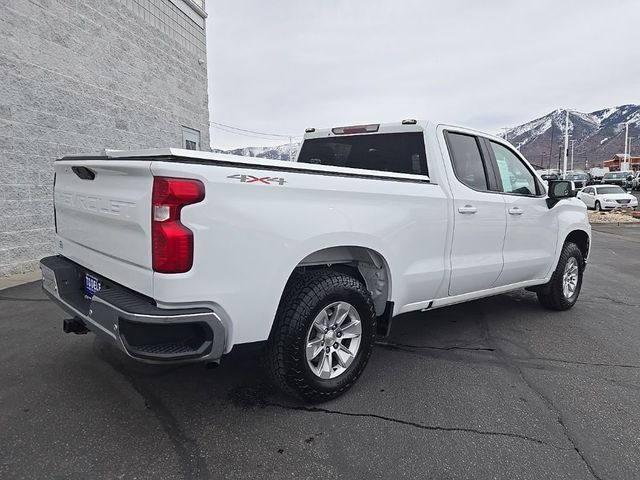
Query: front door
532	228
479	216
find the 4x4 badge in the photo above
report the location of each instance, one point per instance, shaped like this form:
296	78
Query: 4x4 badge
253	179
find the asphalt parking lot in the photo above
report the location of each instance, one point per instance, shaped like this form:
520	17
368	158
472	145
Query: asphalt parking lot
498	388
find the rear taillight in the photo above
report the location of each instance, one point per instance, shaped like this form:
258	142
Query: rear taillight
172	242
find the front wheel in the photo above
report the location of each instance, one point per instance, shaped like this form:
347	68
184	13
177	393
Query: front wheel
323	335
598	207
562	291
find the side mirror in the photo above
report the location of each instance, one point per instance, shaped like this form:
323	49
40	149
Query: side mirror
559	189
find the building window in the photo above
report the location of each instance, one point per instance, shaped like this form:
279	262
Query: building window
190	138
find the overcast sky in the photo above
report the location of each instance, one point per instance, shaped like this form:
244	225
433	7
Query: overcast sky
280	66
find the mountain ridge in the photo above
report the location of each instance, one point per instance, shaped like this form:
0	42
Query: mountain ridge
598	136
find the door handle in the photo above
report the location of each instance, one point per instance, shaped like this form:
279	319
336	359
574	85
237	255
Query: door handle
467	209
515	211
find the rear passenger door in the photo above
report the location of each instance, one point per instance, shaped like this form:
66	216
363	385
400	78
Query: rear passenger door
479	214
532	228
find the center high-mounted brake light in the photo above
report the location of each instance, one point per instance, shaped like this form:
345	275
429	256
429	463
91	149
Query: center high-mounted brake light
356	129
172	242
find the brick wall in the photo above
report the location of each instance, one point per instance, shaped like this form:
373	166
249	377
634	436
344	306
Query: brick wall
78	77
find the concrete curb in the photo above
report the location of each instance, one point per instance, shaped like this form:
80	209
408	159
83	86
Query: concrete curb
615	224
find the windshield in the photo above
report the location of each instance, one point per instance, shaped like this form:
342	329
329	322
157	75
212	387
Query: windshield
549	176
577	176
387	152
605	190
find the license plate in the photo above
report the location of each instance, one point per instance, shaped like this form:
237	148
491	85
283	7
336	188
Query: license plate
91	285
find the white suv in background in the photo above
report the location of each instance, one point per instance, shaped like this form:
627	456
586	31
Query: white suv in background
606	197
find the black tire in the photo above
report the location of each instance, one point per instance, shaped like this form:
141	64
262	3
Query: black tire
306	295
552	294
597	207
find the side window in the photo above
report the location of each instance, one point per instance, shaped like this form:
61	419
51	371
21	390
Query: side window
516	177
467	160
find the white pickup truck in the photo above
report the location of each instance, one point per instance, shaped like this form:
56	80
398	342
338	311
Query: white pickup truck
178	256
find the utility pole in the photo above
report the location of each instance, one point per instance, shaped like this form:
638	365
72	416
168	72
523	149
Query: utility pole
626	141
551	143
572	142
566	144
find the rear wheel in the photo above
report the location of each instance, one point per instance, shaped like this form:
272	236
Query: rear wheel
323	335
598	207
562	291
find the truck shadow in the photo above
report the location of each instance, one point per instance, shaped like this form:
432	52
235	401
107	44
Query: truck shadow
241	377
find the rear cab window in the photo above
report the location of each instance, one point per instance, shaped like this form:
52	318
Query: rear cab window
468	164
384	152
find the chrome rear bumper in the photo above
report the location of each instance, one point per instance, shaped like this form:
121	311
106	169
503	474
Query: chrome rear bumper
133	323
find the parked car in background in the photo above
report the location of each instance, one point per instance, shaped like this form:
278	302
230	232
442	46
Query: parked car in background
622	179
606	197
635	183
549	177
596	174
579	179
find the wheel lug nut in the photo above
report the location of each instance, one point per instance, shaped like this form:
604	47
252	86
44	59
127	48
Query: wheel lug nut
328	349
339	334
333	327
335	345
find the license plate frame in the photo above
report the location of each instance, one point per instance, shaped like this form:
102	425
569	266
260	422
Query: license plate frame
91	285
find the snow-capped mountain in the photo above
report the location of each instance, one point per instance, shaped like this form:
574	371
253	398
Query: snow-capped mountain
598	135
280	152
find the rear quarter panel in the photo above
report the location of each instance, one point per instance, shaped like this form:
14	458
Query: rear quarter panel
249	237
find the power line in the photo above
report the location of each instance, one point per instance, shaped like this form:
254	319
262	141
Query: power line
252	131
246	134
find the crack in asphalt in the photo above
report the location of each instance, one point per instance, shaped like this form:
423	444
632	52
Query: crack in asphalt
412	424
508	361
609	299
576	362
400	346
190	459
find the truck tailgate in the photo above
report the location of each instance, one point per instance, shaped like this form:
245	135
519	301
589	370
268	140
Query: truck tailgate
103	218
